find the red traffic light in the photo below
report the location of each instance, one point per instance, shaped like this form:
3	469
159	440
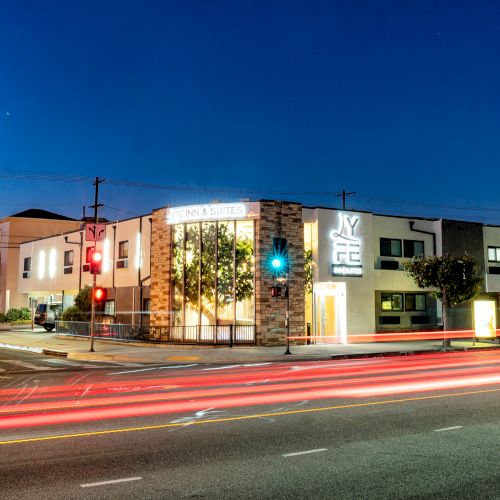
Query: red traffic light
96	262
99	294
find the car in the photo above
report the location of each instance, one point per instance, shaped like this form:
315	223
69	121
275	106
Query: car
47	314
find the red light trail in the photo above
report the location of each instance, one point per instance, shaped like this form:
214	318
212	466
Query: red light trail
198	390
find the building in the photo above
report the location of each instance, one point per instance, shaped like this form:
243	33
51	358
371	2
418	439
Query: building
15	229
203	274
58	268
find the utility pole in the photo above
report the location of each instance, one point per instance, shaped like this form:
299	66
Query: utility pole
344	194
95	206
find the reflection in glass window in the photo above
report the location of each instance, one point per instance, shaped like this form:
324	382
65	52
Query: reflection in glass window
245	270
213	272
208	277
191	274
178	274
392	302
225	271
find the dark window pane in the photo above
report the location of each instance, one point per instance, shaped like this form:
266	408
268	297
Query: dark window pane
123	250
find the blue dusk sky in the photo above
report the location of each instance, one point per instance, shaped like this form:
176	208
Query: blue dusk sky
189	101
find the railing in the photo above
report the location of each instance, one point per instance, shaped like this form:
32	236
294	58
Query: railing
116	331
197	334
213	334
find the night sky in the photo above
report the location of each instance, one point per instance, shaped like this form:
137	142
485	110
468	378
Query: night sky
397	101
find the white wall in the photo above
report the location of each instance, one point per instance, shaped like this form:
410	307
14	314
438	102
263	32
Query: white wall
45	280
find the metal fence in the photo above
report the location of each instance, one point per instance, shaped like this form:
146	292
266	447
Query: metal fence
114	331
198	334
213	334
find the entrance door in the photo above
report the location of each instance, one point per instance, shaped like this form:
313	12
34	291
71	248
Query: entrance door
325	317
329	312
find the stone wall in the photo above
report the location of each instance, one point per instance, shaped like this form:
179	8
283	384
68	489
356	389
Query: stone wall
279	219
161	238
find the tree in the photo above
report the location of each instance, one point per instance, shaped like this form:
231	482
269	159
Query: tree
81	310
186	266
456	278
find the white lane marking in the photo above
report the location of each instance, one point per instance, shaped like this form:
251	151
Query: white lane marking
175	366
25	364
220	368
170	367
256	364
449	428
113	481
132	371
318	450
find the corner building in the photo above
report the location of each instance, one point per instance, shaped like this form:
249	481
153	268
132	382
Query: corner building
210	272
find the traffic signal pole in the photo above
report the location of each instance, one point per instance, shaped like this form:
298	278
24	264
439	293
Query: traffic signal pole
94	278
92	314
287	314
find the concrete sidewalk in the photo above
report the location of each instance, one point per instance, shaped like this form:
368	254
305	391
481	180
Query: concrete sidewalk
106	350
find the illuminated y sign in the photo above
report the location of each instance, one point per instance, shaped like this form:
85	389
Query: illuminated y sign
346	247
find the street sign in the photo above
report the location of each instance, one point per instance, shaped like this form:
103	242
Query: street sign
95	232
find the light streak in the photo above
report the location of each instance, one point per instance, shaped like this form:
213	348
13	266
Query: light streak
194	391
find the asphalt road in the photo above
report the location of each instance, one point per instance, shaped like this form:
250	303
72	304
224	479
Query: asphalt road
413	427
22	361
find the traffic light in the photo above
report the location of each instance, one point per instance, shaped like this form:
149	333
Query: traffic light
276	291
279	257
99	294
95	262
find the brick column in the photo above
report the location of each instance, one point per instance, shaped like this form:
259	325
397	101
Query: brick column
278	219
161	238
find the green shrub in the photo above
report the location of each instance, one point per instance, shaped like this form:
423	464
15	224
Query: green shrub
3	318
25	314
73	313
13	315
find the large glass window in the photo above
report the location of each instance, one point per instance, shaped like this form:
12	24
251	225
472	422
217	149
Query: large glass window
192	274
225	272
213	273
178	274
208	273
245	270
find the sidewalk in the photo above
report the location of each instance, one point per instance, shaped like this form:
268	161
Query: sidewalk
105	350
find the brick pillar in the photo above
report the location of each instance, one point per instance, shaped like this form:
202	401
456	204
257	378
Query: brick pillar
161	238
279	219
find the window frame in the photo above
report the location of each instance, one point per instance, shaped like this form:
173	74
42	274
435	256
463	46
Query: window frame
413	252
27	268
109	311
392	295
121	246
390	241
415	295
497	254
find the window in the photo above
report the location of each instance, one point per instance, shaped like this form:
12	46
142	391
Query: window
413	248
27	267
109	308
493	254
68	261
68	258
123	250
411	302
392	302
390	247
415	302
